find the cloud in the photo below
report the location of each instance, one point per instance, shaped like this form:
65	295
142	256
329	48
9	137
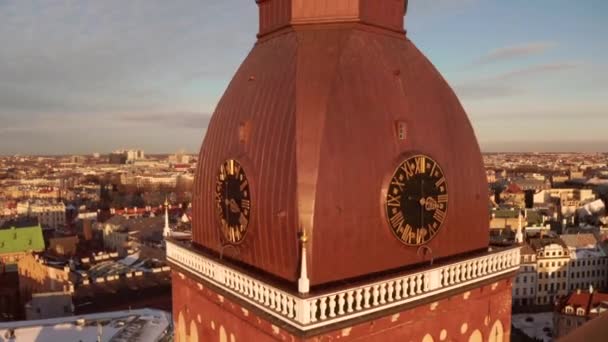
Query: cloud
188	120
483	90
538	69
516	51
507	83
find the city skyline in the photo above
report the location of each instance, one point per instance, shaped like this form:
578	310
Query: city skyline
94	77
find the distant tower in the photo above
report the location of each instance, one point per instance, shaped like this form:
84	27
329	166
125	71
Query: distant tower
519	236
167	229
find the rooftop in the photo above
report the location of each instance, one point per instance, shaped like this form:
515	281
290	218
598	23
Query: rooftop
15	240
135	325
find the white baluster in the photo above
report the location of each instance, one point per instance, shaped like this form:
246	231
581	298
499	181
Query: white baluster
383	293
272	299
284	304
376	294
391	291
341	302
313	311
412	286
332	306
405	292
419	284
452	274
426	281
398	290
323	308
366	296
350	300
359	300
266	297
457	275
290	308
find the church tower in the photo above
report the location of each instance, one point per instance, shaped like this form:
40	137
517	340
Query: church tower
340	193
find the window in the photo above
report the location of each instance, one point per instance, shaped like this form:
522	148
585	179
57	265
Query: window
580	312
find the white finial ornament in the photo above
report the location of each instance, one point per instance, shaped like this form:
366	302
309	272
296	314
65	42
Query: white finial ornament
303	282
519	236
167	229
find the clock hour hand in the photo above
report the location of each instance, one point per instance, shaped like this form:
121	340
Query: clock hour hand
234	207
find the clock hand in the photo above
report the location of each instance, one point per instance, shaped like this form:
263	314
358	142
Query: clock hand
422	205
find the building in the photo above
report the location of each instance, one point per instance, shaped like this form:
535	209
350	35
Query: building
132	325
524	288
17	243
38	276
126	156
287	248
49	305
553	258
578	308
50	215
513	196
568	200
588	262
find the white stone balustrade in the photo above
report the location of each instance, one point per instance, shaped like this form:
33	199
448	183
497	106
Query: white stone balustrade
313	312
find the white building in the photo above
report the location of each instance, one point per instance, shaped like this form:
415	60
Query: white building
588	262
553	257
524	287
48	214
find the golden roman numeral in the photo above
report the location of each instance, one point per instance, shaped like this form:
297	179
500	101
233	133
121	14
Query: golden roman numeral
420	165
432	229
408	172
439	215
433	168
397	221
394	201
421	235
222	172
406	233
440	182
244	185
398	183
245	204
442	198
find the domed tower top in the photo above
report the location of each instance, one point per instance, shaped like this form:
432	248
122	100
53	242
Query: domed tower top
337	128
277	14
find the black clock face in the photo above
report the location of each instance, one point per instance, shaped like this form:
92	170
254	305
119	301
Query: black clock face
233	201
417	200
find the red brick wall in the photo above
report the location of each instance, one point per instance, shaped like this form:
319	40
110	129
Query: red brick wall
454	318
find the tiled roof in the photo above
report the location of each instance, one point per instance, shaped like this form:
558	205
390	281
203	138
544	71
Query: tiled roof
539	243
527	250
26	239
585	300
579	240
506	213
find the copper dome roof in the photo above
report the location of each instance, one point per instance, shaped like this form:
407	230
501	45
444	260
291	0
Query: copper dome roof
311	116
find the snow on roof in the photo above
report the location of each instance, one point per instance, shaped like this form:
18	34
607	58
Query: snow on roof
135	325
537	327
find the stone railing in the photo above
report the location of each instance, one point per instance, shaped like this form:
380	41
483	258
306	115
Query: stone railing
318	311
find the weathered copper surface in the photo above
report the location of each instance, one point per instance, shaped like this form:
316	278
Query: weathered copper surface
276	14
321	103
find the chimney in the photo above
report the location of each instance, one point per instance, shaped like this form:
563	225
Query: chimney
279	14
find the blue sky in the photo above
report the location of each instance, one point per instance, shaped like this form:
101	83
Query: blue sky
92	76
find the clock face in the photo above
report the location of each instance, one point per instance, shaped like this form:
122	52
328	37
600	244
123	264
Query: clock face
417	200
233	201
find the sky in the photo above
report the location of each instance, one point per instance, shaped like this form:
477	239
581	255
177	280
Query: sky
85	76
